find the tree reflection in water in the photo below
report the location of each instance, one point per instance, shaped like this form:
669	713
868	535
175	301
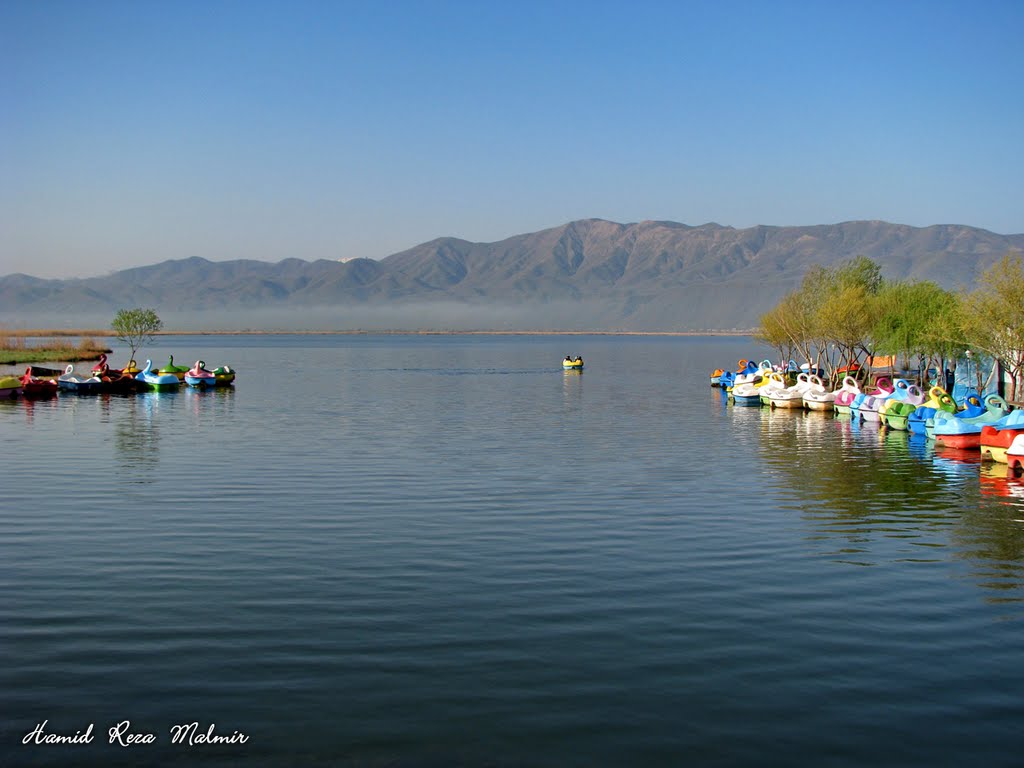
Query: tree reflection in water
137	436
861	483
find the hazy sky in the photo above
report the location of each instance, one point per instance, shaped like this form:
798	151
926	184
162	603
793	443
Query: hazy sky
133	132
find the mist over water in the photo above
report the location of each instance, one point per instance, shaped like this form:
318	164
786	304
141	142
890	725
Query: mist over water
421	316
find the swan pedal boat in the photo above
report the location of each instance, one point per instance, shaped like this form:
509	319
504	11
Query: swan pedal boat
225	375
102	367
727	379
791	397
103	370
776	382
113	380
955	431
997	438
897	410
967	408
1015	453
747	393
883	388
178	371
37	387
845	395
752	374
159	382
73	382
872	408
900	392
817	397
938	400
199	377
10	386
746	389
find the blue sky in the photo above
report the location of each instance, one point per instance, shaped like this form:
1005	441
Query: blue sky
133	132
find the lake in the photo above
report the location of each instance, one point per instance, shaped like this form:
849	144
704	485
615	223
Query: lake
443	550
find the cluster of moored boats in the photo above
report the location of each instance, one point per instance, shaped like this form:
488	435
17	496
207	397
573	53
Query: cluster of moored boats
39	382
972	421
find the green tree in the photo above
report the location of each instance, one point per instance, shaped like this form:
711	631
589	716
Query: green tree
801	308
824	317
862	272
775	332
846	309
992	317
136	327
846	319
940	340
918	320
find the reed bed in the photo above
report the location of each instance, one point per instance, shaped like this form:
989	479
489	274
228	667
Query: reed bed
22	346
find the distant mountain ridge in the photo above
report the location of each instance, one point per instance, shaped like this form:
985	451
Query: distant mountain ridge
590	274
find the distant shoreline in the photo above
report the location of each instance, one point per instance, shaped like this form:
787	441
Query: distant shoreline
457	333
42	333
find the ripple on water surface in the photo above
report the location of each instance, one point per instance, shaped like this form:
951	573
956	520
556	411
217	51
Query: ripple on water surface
443	550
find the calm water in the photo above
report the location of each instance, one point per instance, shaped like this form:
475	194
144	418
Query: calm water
443	550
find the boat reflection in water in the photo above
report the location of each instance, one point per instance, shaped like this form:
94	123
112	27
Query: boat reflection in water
1000	480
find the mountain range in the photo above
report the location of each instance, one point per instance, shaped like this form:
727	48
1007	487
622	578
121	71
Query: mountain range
590	274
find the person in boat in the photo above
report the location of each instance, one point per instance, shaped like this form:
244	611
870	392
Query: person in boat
568	358
579	359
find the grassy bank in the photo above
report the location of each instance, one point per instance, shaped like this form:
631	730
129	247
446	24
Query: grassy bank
24	347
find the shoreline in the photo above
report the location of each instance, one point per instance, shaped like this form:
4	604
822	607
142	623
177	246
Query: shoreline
34	333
